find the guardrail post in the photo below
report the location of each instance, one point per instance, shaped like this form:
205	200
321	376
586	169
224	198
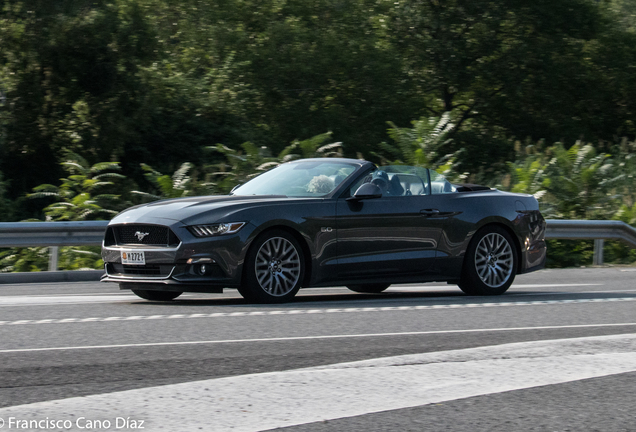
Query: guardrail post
53	257
598	251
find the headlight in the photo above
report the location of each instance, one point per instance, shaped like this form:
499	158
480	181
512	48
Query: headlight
215	229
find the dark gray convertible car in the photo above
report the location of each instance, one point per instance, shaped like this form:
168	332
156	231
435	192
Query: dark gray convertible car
326	222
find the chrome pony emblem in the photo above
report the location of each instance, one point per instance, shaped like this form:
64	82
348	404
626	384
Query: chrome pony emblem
140	235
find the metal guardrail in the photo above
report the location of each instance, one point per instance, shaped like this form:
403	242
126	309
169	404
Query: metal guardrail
32	234
597	230
591	229
91	233
52	234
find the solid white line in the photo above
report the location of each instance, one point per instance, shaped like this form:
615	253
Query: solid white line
50	300
65	303
410	288
318	337
67	294
604	292
555	285
271	400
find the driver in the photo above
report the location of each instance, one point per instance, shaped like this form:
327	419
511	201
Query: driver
389	187
382	184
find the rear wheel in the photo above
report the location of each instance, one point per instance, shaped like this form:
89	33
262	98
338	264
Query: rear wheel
157	295
369	288
490	264
274	268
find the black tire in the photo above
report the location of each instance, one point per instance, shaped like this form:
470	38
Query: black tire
369	288
490	264
157	295
274	268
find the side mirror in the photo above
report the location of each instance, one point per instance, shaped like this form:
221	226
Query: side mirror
366	191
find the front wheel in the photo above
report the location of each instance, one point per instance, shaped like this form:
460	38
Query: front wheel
369	288
490	264
274	268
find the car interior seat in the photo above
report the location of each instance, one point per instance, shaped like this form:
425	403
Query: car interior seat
441	187
411	184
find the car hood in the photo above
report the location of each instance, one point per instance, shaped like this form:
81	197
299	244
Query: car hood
182	209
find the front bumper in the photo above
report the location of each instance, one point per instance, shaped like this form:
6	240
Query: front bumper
179	268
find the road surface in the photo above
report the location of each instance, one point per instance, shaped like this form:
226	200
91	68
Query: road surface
556	353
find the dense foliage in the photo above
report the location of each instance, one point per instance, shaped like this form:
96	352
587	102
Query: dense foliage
214	92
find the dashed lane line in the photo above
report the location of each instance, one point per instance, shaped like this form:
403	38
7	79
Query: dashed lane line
316	337
312	311
513	287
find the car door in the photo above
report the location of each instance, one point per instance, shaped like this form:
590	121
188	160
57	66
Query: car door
396	234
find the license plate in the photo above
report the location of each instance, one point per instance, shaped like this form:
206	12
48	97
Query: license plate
133	257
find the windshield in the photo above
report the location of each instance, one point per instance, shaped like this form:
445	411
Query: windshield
300	179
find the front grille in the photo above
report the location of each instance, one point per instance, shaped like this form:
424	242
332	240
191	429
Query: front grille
141	270
152	235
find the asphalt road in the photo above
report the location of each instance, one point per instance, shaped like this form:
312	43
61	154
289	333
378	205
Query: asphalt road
556	353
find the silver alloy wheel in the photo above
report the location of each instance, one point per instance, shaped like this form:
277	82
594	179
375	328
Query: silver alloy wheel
494	260
277	266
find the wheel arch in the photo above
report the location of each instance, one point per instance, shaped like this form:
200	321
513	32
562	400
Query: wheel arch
301	241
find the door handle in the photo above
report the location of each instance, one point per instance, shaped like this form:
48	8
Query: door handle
429	212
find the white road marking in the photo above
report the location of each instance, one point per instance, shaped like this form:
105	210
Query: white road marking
555	285
519	286
49	300
602	292
264	401
299	338
66	294
322	311
407	287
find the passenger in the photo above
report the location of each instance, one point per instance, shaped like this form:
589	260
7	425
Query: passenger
320	184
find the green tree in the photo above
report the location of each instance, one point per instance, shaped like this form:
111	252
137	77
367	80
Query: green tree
580	183
157	81
81	196
421	145
24	259
318	65
37	259
179	185
524	70
72	78
6	209
129	80
314	147
625	12
240	166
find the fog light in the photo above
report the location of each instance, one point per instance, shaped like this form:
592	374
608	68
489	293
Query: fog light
202	269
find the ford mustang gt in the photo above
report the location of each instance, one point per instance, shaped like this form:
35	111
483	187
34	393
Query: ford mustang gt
327	222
